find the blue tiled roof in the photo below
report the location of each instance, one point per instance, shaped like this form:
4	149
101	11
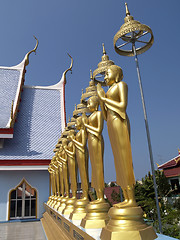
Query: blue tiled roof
38	126
9	79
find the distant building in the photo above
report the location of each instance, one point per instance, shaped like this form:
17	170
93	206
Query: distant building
113	193
31	121
171	170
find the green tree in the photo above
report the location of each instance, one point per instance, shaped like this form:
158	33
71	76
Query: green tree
162	183
145	197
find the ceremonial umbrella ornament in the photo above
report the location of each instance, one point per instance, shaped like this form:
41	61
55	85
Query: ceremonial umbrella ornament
99	73
80	109
91	90
132	39
71	123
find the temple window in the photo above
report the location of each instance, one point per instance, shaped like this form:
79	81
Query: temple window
22	201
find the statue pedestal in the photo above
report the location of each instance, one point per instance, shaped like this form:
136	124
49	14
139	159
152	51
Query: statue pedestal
54	201
63	204
58	203
51	201
127	223
69	206
97	215
79	211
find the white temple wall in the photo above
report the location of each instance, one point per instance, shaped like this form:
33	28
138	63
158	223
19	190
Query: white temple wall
10	179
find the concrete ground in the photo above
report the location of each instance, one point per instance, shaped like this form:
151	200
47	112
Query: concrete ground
22	231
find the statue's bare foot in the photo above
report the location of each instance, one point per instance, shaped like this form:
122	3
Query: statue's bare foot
84	199
121	204
127	204
98	201
130	203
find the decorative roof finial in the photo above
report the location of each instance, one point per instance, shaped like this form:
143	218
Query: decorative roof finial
69	69
34	50
69	119
104	51
127	10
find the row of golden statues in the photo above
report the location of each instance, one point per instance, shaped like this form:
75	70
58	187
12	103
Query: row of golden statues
71	153
124	219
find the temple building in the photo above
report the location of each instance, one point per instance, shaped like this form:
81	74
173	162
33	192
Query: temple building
31	121
171	170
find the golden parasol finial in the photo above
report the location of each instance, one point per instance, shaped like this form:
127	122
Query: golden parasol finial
127	10
104	51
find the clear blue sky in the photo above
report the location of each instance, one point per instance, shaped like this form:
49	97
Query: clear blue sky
80	27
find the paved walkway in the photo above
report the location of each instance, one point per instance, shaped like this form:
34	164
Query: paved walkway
22	231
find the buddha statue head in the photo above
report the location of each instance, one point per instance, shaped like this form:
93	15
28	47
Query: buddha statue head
71	133
93	103
113	74
78	123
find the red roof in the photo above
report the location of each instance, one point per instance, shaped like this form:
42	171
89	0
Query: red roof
171	163
172	167
172	172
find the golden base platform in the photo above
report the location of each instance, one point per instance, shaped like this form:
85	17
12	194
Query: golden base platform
79	211
53	203
127	223
96	216
124	224
69	206
62	204
58	203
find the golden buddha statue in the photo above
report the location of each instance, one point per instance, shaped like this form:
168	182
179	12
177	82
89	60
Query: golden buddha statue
80	141
55	164
97	210
60	183
82	155
63	158
50	170
113	105
60	175
70	151
126	218
94	127
54	178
